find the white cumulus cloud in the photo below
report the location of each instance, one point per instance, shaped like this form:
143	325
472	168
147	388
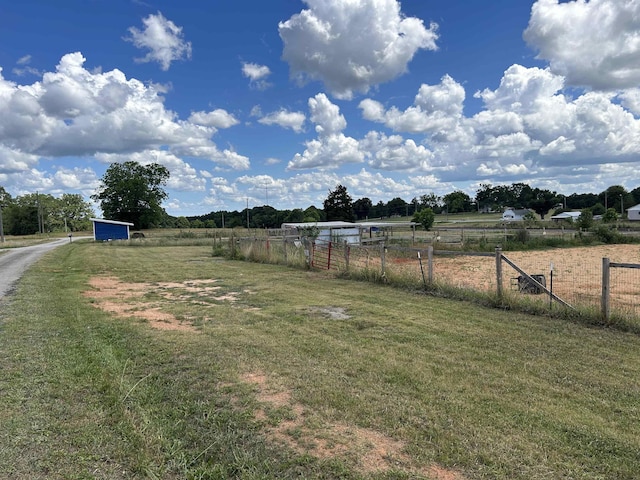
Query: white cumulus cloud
164	40
594	44
256	74
285	119
352	45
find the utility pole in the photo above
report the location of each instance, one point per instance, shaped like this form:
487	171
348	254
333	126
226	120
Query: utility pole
1	226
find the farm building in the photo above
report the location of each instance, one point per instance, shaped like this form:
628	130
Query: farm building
352	233
104	230
515	214
326	231
570	216
633	213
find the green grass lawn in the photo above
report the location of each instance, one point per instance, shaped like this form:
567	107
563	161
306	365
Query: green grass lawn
289	374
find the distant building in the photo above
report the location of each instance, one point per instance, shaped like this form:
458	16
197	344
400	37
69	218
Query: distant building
515	214
570	216
633	213
105	230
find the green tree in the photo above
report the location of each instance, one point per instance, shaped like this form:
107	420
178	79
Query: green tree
610	216
541	201
362	207
72	212
396	206
132	192
183	222
585	220
339	206
425	217
457	202
312	214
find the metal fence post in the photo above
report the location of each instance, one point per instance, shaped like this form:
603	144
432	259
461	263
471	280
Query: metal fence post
499	271
430	264
382	258
606	307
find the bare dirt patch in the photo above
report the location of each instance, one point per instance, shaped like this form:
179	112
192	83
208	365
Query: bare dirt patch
127	300
373	451
333	313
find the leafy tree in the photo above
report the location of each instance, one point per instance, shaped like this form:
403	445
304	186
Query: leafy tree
339	206
72	212
425	217
132	192
457	202
295	215
312	214
580	201
5	197
431	200
617	197
598	209
379	210
396	206
585	220
362	207
182	222
610	216
542	201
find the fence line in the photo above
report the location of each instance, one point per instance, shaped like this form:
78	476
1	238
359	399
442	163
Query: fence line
577	282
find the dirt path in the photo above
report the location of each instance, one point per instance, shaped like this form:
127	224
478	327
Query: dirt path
14	262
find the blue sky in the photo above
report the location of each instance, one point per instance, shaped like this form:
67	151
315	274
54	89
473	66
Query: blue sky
276	102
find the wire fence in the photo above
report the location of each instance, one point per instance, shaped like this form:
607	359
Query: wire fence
561	278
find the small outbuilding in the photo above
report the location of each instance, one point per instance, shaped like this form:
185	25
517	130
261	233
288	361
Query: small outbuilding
106	230
336	231
515	214
633	213
568	216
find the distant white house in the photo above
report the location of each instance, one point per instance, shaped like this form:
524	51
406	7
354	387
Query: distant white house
633	213
515	214
570	216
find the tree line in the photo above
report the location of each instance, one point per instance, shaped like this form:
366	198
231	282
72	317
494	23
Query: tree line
44	213
339	205
133	193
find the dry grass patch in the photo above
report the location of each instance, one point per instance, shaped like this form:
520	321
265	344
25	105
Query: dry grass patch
300	431
127	300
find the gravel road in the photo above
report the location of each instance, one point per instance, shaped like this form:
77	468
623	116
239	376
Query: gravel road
15	261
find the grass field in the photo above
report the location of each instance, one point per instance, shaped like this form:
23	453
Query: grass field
164	362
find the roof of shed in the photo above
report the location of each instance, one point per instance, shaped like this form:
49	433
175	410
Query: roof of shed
114	222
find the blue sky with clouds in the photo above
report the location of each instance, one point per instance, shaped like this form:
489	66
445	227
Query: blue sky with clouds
254	102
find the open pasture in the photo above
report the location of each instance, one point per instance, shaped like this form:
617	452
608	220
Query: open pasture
164	362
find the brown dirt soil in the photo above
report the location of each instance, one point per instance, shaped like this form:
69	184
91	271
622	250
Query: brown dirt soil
577	272
375	451
126	300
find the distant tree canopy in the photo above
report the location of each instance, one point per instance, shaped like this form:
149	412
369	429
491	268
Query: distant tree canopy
517	195
43	213
425	217
339	206
131	192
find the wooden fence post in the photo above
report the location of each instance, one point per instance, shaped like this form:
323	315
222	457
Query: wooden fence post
346	255
606	307
430	264
382	258
284	250
499	271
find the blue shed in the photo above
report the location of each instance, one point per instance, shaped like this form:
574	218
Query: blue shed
104	230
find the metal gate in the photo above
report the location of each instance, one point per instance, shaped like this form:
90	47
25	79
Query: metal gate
321	255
